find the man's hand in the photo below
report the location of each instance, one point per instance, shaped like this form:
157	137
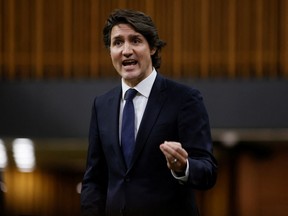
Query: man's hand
175	155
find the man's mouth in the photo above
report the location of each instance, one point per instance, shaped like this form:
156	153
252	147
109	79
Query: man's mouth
129	62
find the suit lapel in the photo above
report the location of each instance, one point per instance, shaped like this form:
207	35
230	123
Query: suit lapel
154	105
113	110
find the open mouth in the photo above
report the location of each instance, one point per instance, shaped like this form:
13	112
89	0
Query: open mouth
129	62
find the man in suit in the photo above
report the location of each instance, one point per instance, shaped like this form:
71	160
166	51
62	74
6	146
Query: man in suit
170	154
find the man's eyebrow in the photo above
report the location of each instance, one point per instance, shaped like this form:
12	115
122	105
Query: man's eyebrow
132	36
117	37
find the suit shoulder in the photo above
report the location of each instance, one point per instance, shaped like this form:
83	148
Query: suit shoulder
111	92
180	88
114	92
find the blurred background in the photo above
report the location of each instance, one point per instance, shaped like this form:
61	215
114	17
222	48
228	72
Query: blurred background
53	63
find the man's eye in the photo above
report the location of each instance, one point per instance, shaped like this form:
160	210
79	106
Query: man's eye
117	43
136	41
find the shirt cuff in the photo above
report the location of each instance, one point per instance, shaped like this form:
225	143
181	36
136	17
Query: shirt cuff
183	178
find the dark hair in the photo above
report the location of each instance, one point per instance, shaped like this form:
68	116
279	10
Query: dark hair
142	24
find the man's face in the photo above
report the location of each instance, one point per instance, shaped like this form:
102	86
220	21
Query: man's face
130	54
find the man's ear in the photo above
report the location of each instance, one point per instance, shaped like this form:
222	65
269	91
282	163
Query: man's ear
152	52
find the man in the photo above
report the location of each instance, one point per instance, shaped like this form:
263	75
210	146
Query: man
170	154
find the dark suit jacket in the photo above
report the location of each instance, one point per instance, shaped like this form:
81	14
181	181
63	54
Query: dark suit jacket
174	112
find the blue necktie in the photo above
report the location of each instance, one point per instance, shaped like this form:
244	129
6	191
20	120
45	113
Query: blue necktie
128	126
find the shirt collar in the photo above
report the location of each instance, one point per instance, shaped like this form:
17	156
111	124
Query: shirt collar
144	87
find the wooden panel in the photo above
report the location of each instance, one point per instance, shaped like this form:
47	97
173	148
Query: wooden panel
10	39
1	37
261	188
41	193
283	45
205	39
38	54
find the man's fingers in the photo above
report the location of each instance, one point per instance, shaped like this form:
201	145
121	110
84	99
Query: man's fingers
172	151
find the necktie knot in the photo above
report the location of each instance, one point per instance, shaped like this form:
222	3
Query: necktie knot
130	94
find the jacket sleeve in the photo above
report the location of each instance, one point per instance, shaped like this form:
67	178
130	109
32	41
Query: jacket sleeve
195	137
94	184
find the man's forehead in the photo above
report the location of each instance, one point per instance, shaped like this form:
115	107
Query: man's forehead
122	30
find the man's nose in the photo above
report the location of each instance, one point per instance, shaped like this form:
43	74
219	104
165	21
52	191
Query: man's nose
127	49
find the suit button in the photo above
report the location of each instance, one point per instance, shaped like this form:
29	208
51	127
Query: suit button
127	179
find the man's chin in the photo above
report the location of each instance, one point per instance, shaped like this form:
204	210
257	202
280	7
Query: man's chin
131	80
129	74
